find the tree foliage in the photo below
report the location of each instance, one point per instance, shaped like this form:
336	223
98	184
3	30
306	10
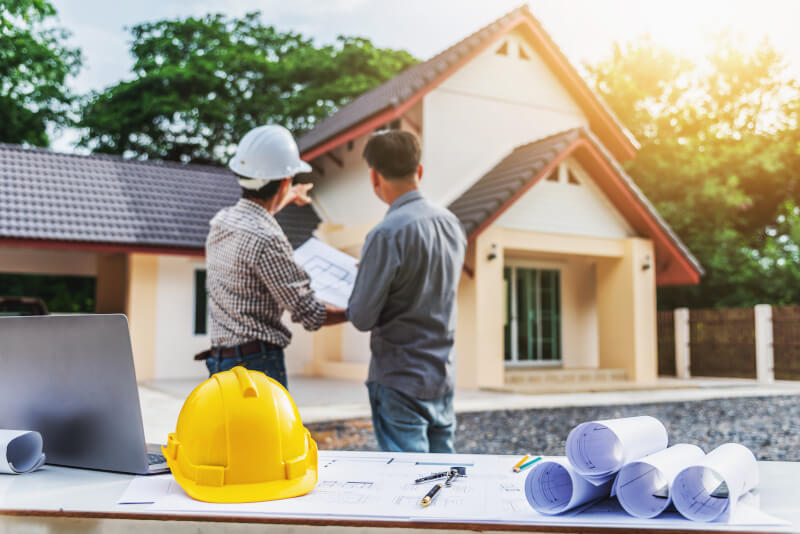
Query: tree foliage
34	65
720	159
200	83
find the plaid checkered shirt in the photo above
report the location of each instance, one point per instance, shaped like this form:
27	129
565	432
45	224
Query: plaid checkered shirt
251	278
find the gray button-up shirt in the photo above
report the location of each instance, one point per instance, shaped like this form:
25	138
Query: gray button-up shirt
405	293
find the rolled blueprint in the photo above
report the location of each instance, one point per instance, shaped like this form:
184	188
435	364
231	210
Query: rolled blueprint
597	450
553	487
644	487
20	451
712	488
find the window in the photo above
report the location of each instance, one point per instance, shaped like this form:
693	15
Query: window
503	50
523	54
533	315
200	303
571	179
553	176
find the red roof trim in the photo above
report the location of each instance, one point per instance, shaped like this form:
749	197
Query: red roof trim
108	248
556	61
679	270
625	200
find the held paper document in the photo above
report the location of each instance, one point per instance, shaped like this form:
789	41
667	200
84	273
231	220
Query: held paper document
332	272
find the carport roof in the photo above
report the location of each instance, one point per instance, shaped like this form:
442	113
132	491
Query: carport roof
48	197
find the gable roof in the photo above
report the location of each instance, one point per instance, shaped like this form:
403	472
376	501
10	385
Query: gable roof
497	190
48	196
393	98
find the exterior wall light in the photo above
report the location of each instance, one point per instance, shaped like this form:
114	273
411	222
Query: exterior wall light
646	264
492	253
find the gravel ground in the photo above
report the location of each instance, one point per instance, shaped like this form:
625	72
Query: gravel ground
769	426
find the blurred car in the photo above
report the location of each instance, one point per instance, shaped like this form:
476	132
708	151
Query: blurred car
12	306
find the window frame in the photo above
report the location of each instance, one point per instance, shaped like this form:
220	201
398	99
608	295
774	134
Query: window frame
512	320
195	300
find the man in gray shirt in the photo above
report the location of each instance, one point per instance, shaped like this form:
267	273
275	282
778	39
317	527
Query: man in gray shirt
405	294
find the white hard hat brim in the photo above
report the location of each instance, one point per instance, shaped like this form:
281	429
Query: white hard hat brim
299	167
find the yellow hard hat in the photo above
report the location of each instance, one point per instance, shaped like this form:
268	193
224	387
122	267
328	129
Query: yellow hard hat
239	438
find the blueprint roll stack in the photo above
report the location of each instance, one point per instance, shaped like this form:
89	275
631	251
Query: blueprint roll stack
644	487
712	489
599	449
553	486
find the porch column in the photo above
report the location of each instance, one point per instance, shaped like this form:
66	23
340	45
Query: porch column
765	356
485	357
141	300
626	306
111	286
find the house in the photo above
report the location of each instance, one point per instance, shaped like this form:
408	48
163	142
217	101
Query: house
564	252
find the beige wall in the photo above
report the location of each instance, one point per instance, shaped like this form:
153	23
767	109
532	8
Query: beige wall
47	261
175	340
626	297
141	309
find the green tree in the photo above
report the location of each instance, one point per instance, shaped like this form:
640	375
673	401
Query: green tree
719	159
200	83
34	65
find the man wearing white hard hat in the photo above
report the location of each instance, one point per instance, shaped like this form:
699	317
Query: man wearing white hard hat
251	275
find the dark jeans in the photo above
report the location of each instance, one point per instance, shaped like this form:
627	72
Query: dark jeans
269	361
405	424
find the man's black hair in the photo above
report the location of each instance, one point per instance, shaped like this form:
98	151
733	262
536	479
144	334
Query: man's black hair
264	193
393	153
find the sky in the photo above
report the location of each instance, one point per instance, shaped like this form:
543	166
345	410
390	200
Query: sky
584	29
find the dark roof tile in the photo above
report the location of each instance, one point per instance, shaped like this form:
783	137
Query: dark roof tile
108	199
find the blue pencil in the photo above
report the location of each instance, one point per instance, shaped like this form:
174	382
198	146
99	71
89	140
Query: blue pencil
527	464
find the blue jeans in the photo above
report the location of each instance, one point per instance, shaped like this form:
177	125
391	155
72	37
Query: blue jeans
269	361
405	424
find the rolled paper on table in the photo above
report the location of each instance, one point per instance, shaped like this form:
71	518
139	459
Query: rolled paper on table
598	449
553	487
644	487
20	451
711	489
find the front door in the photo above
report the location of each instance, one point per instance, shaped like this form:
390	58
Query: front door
533	315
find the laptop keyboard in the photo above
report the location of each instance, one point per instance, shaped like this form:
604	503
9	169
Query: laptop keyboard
153	459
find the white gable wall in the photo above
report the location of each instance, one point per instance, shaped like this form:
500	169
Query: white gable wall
486	109
344	194
565	208
469	123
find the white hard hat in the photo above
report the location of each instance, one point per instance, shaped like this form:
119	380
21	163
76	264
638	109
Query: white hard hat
267	153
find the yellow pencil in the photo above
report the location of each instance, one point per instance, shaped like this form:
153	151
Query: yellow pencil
516	467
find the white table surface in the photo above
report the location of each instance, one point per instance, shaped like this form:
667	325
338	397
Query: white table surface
60	492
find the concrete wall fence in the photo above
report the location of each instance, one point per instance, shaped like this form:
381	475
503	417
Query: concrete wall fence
762	342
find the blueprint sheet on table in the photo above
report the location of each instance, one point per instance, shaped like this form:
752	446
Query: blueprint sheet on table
380	487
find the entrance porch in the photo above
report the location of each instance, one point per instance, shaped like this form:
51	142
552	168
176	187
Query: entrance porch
547	312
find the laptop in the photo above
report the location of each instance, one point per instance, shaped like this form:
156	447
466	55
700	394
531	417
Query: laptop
71	378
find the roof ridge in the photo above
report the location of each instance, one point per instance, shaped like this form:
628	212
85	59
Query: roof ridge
197	167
